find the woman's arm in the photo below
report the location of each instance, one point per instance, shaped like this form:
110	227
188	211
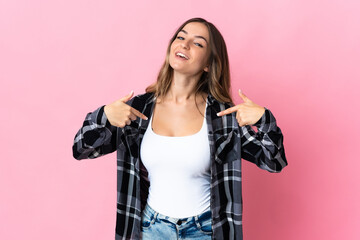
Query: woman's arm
96	137
101	128
264	148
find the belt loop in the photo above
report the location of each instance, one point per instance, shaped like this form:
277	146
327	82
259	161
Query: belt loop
155	216
197	221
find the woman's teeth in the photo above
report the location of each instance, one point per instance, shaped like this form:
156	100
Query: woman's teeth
181	55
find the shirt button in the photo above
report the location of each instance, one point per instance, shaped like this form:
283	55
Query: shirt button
179	222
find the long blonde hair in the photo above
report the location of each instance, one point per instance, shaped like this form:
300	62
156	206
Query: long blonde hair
216	81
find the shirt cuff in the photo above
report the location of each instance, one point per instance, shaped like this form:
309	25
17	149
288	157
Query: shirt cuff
99	117
267	121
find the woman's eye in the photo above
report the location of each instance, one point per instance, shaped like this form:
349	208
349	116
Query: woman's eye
182	38
198	44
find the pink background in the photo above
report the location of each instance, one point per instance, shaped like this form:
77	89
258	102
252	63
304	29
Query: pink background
61	59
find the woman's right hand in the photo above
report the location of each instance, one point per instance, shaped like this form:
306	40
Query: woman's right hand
120	114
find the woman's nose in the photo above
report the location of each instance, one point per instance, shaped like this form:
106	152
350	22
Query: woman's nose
185	44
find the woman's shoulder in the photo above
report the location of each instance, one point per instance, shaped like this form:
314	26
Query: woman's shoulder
218	104
145	96
140	100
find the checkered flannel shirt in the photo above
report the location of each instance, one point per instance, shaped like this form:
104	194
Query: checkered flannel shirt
229	143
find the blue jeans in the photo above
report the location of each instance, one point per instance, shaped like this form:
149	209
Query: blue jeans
155	226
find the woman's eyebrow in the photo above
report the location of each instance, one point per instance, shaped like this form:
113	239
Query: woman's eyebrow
195	36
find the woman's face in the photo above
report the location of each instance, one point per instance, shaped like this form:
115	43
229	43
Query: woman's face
190	50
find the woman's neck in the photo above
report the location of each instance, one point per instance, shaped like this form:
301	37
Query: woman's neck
182	88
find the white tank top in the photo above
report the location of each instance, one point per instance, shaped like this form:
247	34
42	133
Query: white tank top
179	172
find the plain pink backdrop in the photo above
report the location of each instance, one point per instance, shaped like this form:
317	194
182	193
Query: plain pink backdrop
61	59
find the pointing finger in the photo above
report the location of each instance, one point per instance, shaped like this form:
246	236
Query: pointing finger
243	96
139	114
227	111
127	97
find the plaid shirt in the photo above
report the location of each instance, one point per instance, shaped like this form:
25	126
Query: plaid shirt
228	144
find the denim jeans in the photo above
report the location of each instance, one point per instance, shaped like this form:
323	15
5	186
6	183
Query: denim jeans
155	226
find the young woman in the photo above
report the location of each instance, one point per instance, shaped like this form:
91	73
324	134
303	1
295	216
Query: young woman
179	145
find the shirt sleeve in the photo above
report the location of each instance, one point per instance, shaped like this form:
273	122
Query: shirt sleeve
264	148
96	137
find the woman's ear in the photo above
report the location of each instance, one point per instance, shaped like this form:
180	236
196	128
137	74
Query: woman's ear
206	69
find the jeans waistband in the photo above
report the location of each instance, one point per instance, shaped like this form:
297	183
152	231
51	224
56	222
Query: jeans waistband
150	211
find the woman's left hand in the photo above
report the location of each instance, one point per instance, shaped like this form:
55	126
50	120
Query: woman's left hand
247	113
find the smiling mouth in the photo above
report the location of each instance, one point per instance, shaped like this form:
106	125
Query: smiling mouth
179	54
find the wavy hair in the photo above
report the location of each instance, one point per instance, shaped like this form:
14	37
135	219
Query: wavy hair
216	81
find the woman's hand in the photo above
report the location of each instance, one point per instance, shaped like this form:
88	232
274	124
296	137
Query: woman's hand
247	113
120	114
